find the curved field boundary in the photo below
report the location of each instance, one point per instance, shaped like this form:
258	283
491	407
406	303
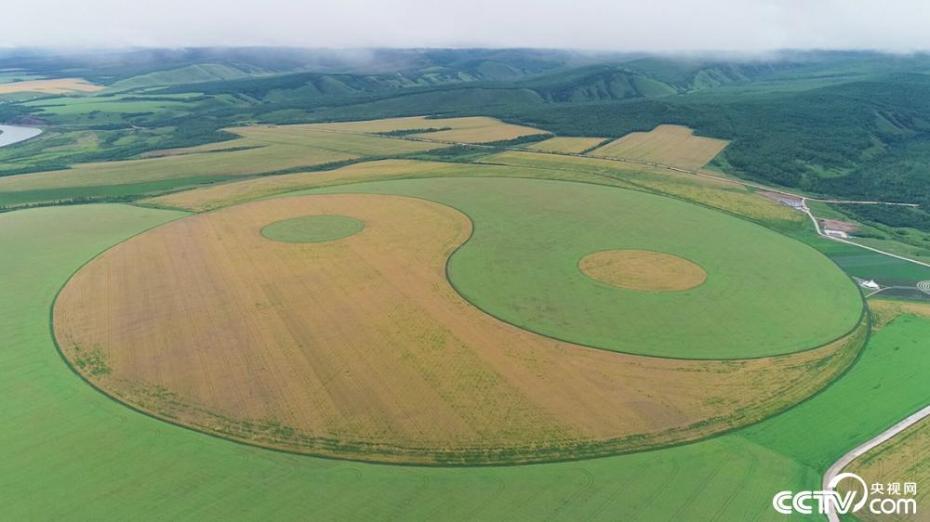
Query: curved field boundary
107	465
486	283
865	447
282	436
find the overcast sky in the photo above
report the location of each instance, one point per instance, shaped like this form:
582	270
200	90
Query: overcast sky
650	25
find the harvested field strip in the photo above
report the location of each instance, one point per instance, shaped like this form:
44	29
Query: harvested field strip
260	150
53	86
730	197
472	129
500	132
96	459
311	135
904	458
236	163
886	310
566	145
219	196
671	145
359	348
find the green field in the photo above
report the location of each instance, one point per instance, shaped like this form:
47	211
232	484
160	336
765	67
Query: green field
69	452
258	151
242	125
866	264
770	296
312	229
118	105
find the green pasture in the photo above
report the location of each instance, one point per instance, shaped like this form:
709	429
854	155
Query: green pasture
765	294
74	106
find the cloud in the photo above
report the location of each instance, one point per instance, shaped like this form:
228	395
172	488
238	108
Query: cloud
654	25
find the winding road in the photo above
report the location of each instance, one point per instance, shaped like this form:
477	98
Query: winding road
863	448
804	208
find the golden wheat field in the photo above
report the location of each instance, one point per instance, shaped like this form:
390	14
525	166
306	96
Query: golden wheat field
904	456
565	145
361	348
642	270
226	194
671	145
51	86
469	129
884	310
480	134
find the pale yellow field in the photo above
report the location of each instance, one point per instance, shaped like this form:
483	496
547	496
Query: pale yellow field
264	149
361	348
396	124
906	457
484	134
53	86
884	310
671	145
227	194
643	270
471	129
566	145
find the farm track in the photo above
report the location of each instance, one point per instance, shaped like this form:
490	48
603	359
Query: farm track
864	448
804	208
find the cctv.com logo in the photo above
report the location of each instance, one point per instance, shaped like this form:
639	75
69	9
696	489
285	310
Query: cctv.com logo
880	499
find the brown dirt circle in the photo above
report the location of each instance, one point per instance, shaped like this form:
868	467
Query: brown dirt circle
643	270
360	348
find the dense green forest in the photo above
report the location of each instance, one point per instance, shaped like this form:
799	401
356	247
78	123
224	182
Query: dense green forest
844	124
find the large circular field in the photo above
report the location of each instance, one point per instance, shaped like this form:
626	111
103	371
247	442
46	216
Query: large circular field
346	325
764	294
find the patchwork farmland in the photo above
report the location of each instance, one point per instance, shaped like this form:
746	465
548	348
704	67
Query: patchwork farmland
671	145
49	86
345	293
435	353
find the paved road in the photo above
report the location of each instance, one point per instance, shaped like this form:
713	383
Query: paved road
863	448
813	218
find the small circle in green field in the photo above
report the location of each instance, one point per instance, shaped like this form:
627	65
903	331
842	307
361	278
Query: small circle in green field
313	229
